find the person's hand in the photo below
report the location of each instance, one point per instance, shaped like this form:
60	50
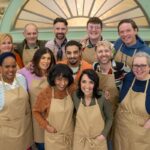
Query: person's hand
29	66
50	129
100	137
147	124
107	95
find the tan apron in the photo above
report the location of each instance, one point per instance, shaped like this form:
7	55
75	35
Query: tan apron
89	55
61	118
89	124
15	121
28	55
107	82
35	88
121	57
130	118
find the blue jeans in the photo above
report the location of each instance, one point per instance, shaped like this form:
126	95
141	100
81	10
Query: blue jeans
110	146
40	146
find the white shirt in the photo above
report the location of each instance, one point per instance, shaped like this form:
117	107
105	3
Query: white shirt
18	81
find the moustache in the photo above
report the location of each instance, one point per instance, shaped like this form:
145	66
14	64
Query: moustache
60	34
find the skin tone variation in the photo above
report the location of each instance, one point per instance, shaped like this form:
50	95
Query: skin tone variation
31	34
9	69
94	32
45	62
141	68
104	56
73	55
6	45
87	87
127	33
60	30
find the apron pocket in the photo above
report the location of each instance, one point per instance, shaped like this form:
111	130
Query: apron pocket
101	145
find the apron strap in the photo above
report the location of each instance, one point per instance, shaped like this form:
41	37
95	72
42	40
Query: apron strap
146	86
126	56
52	92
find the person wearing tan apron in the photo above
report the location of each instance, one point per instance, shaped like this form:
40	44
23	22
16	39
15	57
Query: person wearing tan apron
60	117
28	55
89	124
121	57
107	82
36	86
131	116
93	114
15	120
89	55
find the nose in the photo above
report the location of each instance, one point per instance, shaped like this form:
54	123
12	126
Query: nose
72	55
87	85
60	31
11	69
125	33
46	60
103	53
62	82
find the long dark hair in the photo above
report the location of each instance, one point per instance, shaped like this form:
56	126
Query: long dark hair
94	77
36	59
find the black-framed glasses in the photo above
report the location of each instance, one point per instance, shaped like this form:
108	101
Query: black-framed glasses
141	66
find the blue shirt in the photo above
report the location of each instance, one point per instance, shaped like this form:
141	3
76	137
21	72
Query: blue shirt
138	86
130	50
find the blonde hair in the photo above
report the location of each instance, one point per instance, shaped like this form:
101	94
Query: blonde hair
106	44
3	36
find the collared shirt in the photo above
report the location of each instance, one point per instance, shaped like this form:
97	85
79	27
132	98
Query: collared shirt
18	81
53	45
87	43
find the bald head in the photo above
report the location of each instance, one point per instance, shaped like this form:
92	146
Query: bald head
30	33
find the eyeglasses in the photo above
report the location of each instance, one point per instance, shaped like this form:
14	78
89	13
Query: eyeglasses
141	66
96	27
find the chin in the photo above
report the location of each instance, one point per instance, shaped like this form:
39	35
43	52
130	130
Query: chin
140	78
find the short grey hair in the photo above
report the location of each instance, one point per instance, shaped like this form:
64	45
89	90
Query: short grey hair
143	54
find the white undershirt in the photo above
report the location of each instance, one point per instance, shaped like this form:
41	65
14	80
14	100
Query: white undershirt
18	81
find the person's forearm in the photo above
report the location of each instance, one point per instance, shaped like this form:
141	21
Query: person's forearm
40	119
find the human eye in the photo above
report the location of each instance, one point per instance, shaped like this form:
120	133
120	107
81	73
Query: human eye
83	81
91	82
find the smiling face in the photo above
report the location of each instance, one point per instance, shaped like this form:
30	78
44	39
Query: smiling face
87	86
60	30
31	34
104	54
94	31
141	68
73	55
127	33
8	69
61	83
45	61
6	45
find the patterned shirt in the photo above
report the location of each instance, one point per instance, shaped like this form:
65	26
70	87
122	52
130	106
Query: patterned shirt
119	70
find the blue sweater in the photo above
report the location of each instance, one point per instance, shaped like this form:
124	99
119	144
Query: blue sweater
129	50
139	86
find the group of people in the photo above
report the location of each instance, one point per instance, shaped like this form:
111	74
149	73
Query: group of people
63	94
